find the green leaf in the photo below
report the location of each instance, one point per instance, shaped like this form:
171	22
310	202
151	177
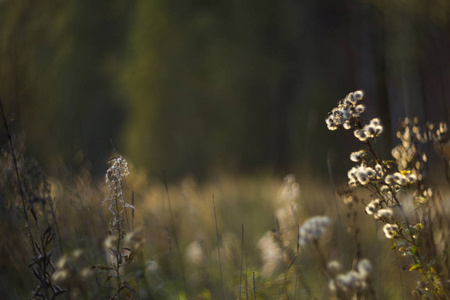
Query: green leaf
414	250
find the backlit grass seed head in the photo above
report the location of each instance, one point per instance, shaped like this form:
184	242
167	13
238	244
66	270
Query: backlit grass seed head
290	190
271	254
390	230
313	229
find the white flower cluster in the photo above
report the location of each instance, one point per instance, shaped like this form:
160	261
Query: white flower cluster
371	130
346	112
384	214
362	174
313	229
390	230
357	156
354	280
374	208
400	179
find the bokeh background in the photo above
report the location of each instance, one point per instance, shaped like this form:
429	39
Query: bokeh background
207	87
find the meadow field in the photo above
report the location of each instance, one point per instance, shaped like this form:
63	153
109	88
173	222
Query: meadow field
384	234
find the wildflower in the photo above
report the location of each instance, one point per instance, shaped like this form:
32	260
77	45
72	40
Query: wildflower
357	155
385	213
333	267
354	280
350	281
390	230
375	122
364	267
313	229
361	135
372	207
362	177
370	172
347	111
379	170
411	178
373	129
360	108
389	179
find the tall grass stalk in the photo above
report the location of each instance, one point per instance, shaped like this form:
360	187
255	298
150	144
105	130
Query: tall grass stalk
242	260
172	266
166	186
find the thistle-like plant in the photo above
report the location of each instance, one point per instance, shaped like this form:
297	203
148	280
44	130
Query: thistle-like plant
119	252
389	181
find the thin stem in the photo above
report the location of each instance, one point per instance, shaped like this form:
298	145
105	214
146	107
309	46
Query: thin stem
336	204
254	285
242	260
218	248
171	260
19	182
176	239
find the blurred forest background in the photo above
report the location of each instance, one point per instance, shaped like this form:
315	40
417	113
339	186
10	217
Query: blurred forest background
214	86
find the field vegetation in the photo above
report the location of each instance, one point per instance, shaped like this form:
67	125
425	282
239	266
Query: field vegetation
384	234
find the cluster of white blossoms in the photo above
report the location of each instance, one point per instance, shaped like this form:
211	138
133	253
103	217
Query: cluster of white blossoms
371	130
374	209
390	230
358	156
313	229
352	281
347	111
400	179
362	175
